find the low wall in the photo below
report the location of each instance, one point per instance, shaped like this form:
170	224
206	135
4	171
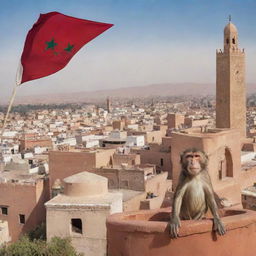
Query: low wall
145	233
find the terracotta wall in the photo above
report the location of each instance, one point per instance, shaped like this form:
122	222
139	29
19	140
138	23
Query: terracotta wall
129	159
122	178
30	144
154	137
118	125
132	179
110	174
64	164
154	157
167	143
104	157
134	203
157	184
144	234
24	199
175	120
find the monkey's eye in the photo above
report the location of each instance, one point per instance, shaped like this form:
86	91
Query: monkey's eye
189	156
196	156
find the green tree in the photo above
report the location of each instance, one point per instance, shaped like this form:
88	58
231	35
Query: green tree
25	247
39	233
59	246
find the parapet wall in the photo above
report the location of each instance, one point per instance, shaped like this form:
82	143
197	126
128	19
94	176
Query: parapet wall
146	233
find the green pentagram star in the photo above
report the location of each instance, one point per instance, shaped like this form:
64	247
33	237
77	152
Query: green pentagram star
50	45
69	47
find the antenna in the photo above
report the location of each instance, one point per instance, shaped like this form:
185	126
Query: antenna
229	18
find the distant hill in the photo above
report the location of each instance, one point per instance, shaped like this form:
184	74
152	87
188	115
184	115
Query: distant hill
153	90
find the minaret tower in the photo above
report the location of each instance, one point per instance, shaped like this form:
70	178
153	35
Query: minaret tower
230	83
109	107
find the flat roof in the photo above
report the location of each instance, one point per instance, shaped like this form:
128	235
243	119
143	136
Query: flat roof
127	193
20	177
104	201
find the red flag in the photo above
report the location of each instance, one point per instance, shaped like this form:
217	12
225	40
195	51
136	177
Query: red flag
53	40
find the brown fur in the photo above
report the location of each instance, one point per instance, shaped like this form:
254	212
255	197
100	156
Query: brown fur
194	193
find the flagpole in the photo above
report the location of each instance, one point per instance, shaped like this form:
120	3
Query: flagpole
18	82
8	111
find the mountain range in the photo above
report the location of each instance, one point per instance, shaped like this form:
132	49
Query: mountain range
153	90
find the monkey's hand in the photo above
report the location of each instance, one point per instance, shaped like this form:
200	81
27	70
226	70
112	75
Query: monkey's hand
218	226
174	226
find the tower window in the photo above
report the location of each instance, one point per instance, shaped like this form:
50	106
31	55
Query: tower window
227	41
76	226
233	40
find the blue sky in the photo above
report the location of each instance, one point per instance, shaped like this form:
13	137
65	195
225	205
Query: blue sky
152	41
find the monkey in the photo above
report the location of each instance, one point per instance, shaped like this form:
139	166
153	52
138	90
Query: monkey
194	193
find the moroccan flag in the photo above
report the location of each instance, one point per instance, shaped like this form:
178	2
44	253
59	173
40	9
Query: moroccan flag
51	43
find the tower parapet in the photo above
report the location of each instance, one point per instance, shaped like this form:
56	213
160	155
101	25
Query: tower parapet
231	50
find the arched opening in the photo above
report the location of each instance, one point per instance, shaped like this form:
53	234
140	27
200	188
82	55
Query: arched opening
229	163
226	165
227	41
233	40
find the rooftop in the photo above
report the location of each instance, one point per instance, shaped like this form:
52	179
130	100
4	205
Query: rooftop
97	201
127	194
200	132
21	177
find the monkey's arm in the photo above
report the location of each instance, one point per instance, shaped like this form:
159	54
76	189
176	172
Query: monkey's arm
217	223
174	224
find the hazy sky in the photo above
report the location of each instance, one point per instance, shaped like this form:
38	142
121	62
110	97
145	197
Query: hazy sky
152	41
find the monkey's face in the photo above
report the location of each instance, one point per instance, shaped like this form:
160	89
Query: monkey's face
193	163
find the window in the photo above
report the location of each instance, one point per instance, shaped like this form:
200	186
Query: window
4	210
227	41
162	162
76	226
233	41
22	218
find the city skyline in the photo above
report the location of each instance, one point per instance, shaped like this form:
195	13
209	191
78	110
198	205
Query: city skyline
151	42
